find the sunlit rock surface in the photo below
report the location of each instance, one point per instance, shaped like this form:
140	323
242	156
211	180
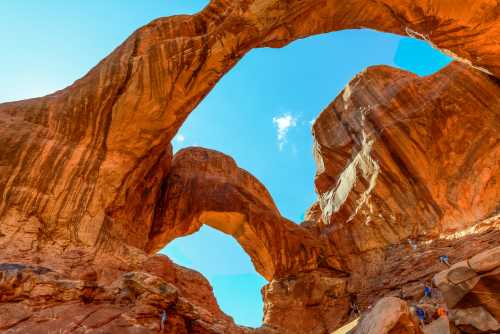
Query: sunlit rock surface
389	315
127	299
207	187
404	163
471	290
408	170
103	143
412	157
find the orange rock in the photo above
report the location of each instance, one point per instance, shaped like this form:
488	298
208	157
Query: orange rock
404	160
207	187
103	142
389	315
88	184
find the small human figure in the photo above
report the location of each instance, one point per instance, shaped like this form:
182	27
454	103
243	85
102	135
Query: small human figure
163	321
412	244
427	292
444	259
354	308
441	312
420	314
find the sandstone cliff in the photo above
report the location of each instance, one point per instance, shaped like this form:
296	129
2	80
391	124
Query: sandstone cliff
403	161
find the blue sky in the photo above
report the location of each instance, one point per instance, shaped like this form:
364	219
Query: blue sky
259	114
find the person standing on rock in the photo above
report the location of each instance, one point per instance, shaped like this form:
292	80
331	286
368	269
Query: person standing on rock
163	321
354	308
420	314
427	292
445	260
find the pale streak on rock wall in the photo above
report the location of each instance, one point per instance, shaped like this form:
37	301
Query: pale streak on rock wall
436	142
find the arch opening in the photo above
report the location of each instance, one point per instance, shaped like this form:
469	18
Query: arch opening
262	90
229	269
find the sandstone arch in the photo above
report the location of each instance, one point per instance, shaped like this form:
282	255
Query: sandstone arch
109	180
207	187
104	141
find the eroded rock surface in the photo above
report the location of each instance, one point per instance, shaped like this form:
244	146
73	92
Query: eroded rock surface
409	157
207	187
468	291
104	141
471	289
310	302
89	187
404	162
36	299
389	316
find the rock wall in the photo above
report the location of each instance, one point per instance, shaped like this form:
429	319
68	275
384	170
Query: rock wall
407	170
403	159
104	141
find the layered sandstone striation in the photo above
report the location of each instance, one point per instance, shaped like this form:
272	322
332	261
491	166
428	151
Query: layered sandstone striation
129	299
404	161
407	171
103	142
471	290
206	187
468	290
389	315
37	299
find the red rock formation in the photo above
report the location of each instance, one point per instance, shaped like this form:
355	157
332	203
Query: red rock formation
471	290
410	156
88	184
389	316
310	302
207	187
36	299
103	142
403	159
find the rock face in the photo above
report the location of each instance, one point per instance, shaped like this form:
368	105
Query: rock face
471	290
404	160
389	315
310	302
412	157
407	170
36	299
207	187
104	141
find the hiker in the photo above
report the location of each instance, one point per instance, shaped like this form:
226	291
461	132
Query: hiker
420	314
444	259
427	292
441	312
354	308
163	321
412	244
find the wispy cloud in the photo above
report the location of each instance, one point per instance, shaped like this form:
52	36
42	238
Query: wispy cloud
283	123
179	138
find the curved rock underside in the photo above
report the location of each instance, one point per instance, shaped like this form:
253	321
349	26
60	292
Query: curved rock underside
206	187
407	170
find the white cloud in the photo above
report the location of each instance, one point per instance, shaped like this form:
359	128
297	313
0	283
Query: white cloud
283	123
180	138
